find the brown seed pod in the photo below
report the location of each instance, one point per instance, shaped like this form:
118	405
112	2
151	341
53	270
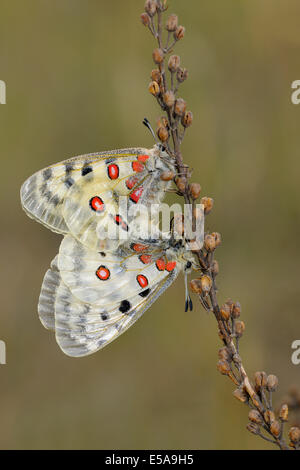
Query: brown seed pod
260	379
180	107
195	285
182	75
195	190
145	19
215	267
255	417
208	203
158	55
209	242
154	88
240	395
275	428
294	434
284	412
181	183
253	428
224	367
206	283
225	312
173	63
236	310
269	416
151	7
162	134
239	328
163	122
172	23
272	383
217	237
179	33
156	76
187	119
167	175
169	98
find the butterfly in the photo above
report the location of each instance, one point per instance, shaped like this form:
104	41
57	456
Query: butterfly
90	298
81	195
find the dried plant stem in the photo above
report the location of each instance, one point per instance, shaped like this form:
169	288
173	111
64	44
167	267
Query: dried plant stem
257	395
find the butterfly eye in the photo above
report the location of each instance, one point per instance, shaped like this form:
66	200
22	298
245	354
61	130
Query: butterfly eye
138	167
113	171
142	280
103	273
96	204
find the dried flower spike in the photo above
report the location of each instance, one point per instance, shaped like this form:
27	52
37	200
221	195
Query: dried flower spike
172	23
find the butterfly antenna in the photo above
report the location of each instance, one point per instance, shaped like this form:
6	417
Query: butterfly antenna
188	300
148	125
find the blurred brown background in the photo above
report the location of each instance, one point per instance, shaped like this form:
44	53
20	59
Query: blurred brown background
77	73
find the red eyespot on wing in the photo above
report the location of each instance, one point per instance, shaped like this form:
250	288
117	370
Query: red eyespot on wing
113	171
138	166
103	273
96	204
143	158
160	264
145	259
131	182
136	194
142	280
138	247
170	266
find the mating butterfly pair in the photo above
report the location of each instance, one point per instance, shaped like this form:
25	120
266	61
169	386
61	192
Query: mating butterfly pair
98	286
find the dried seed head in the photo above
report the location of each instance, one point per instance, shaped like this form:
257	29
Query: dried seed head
174	63
272	383
224	354
181	184
217	237
162	122
269	416
195	190
225	312
154	88
255	417
253	428
236	310
180	107
150	7
167	175
209	242
162	134
275	428
208	203
182	75
240	395
239	328
294	434
158	55
206	283
195	285
172	23
179	33
260	379
224	367
169	98
230	304
156	76
284	412
145	19
215	267
187	119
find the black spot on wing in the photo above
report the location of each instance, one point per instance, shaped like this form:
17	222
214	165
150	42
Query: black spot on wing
86	170
47	174
125	306
68	168
104	316
145	293
69	182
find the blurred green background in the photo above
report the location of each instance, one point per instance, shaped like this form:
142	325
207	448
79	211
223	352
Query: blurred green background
77	73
